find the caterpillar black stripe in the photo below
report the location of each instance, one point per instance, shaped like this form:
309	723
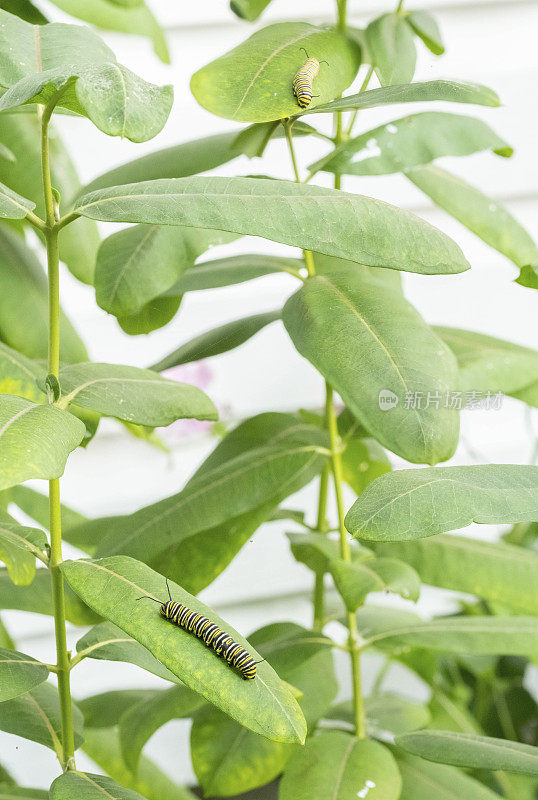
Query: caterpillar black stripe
210	634
302	82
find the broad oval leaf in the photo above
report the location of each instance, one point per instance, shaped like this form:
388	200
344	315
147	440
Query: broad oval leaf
86	786
499	572
240	477
135	395
413	504
111	586
470	750
317	550
218	340
37	598
425	27
342	318
248	9
236	269
12	205
140	263
19	547
426	91
471	635
487	364
484	216
20	375
19	673
356	228
107	642
104	710
35	440
36	716
178	161
411	141
141	720
24	296
337	765
10	792
392	49
385	713
354	582
253	82
422	780
40	60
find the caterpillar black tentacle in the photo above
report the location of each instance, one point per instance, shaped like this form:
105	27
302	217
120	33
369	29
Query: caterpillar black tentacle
302	82
209	633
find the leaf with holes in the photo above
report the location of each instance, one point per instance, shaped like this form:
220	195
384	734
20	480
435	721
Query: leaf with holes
253	82
398	506
111	586
357	228
35	440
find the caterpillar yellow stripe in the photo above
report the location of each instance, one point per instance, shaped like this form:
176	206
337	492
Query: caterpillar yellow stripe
210	634
302	82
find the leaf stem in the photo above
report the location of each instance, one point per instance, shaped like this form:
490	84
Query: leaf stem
321	527
58	591
345	554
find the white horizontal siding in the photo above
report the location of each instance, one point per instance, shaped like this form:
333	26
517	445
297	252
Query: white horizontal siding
488	42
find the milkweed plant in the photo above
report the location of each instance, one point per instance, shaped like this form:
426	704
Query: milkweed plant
271	717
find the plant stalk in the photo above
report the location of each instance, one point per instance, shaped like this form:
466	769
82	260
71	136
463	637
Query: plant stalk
321	527
58	590
345	553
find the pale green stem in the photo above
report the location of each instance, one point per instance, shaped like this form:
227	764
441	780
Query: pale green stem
58	592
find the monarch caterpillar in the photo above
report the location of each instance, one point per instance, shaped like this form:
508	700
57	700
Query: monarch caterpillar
210	634
302	82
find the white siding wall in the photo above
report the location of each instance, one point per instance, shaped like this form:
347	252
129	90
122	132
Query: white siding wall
489	42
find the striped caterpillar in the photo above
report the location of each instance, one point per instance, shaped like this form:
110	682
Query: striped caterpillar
302	82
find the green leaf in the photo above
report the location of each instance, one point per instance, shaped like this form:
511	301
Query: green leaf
356	227
363	461
36	716
36	506
135	395
20	375
484	216
397	577
103	748
424	781
218	340
24	296
9	792
253	140
470	635
37	598
104	710
420	92
21	133
7	642
341	317
488	364
354	582
12	205
18	549
386	712
392	49
469	750
86	786
229	759
425	26
412	141
265	705
230	485
499	573
73	59
141	721
107	642
235	269
35	441
155	314
249	9
19	673
135	19
398	506
317	550
25	10
138	264
337	765
178	161
253	82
